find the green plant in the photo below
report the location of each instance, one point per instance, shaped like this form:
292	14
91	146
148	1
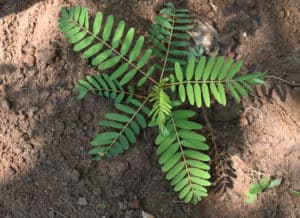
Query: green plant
257	187
175	82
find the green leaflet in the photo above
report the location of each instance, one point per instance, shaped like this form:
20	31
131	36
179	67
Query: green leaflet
236	68
97	23
109	63
214	90
196	155
127	42
190	94
191	135
128	76
217	68
190	69
178	72
225	69
200	68
208	68
103	137
206	96
118	34
198	96
183	114
233	92
143	60
119	72
92	50
108	27
181	90
84	43
136	49
111	124
144	78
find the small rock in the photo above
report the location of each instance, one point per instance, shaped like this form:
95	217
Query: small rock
70	86
147	215
281	14
231	2
72	175
251	3
122	206
32	73
117	169
253	12
250	119
231	54
32	111
118	192
46	94
4	104
135	204
245	35
29	60
86	117
51	214
82	201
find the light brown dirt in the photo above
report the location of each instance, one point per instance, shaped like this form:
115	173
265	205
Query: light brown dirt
45	130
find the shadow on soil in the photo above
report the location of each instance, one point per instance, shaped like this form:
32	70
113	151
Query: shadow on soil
6	8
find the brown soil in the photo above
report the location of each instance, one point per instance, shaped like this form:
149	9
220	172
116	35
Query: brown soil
45	130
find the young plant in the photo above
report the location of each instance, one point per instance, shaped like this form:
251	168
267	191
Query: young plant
176	82
257	187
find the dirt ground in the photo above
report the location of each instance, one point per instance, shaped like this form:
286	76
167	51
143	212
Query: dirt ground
45	131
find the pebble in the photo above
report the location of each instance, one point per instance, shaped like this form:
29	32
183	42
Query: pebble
118	192
86	117
117	169
231	2
231	54
122	206
281	14
135	204
72	174
32	111
245	35
82	201
250	119
29	60
32	73
147	215
70	86
4	104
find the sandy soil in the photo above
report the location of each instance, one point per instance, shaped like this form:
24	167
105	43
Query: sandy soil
44	130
